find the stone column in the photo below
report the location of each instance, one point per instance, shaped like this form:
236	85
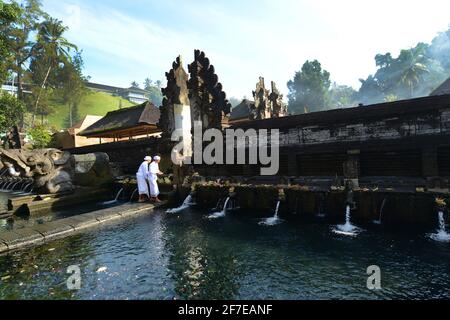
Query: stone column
429	162
351	167
430	170
182	116
292	164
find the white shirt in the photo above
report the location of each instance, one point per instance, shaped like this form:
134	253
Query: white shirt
154	170
143	170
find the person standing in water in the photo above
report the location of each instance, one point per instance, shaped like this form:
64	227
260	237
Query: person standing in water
153	178
141	177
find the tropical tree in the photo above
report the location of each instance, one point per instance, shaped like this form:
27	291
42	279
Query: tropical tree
9	14
54	50
309	90
414	67
11	111
20	35
72	86
342	96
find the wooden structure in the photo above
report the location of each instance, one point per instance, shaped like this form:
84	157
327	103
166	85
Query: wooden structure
137	121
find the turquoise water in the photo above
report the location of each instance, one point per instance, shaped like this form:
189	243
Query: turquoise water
186	256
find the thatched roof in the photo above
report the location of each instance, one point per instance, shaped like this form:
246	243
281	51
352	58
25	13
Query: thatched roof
129	122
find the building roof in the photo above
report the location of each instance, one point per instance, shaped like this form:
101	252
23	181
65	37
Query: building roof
87	121
129	122
104	87
242	110
444	88
135	90
389	110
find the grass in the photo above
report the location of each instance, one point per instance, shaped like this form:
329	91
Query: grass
94	103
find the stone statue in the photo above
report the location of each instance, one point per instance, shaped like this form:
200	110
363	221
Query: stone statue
50	169
13	140
209	103
278	107
262	108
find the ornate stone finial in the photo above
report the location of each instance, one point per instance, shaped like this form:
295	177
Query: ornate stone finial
176	92
279	108
208	100
262	103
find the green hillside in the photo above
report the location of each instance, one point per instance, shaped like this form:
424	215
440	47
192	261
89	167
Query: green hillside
94	103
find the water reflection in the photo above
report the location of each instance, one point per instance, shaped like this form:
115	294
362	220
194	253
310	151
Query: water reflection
200	267
163	256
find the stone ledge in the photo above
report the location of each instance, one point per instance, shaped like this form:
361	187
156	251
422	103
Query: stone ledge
40	234
80	222
53	229
20	237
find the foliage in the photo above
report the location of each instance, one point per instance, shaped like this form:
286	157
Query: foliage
309	90
11	111
9	13
154	91
41	136
73	88
20	34
53	52
342	96
415	72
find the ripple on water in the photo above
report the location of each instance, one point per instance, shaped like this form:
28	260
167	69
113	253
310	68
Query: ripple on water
164	256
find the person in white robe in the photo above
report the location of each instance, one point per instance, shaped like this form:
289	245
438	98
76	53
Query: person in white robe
141	177
153	178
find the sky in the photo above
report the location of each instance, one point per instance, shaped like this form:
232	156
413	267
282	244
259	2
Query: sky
125	41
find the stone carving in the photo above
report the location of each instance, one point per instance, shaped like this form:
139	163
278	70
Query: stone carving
14	141
209	103
176	92
261	109
50	169
278	107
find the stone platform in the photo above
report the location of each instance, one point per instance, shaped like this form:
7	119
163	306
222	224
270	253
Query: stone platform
39	234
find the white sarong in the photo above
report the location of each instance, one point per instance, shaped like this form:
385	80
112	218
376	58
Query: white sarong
153	179
141	177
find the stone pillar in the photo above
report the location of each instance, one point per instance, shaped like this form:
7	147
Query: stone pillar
292	164
351	168
182	116
429	162
430	170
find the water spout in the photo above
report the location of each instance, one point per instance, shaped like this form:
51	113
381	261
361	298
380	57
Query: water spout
222	213
379	221
186	204
272	221
107	203
321	213
132	195
441	235
347	229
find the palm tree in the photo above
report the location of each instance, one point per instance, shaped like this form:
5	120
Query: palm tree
415	65
54	47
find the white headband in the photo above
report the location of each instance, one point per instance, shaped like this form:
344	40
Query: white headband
157	158
148	158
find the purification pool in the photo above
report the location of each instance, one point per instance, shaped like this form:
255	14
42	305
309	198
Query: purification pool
187	256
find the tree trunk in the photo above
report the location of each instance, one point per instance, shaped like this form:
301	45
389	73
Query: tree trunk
40	94
70	115
19	92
